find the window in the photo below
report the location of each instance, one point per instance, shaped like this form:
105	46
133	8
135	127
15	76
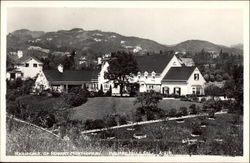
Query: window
12	75
146	74
34	65
198	90
26	65
150	86
177	90
196	76
193	90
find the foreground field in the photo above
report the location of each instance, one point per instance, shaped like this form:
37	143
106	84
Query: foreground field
97	108
221	136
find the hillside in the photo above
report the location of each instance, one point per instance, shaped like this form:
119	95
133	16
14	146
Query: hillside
94	42
197	45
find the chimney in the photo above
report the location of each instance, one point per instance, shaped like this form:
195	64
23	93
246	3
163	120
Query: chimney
60	68
99	60
19	53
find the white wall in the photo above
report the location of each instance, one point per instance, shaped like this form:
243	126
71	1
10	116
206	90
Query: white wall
41	80
183	86
191	82
30	72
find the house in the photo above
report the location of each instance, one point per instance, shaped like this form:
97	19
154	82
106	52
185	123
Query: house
63	80
25	67
166	74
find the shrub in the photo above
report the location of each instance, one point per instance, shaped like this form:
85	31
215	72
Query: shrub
55	94
183	111
193	109
203	99
122	119
44	119
94	124
172	112
212	105
100	93
110	120
76	97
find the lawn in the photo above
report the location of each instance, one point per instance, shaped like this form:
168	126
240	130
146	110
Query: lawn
97	108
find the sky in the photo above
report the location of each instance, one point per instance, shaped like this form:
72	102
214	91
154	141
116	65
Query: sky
165	25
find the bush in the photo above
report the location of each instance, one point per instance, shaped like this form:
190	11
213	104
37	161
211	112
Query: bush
74	100
76	97
183	111
212	105
172	112
100	93
110	120
203	99
94	124
44	119
55	94
193	109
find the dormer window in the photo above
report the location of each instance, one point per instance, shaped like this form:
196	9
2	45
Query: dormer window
153	74
34	65
146	74
139	75
26	65
196	76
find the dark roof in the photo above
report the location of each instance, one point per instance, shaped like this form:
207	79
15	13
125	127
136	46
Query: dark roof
71	75
151	63
26	57
179	73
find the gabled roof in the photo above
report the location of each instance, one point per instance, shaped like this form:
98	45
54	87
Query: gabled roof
179	73
71	75
27	57
150	63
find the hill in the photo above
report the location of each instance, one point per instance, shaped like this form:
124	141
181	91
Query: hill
93	42
197	45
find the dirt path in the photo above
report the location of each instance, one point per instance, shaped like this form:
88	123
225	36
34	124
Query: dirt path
146	122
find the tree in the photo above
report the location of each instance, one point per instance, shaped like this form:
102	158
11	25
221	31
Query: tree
122	67
148	99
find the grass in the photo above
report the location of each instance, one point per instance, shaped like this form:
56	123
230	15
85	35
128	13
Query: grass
38	102
97	108
162	138
219	137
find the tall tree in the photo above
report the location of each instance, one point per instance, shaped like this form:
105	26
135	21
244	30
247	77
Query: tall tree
122	67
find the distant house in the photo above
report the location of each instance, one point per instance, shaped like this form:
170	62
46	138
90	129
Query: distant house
25	67
63	80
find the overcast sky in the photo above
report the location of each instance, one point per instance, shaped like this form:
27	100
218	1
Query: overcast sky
166	26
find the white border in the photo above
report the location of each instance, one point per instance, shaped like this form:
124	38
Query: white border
244	5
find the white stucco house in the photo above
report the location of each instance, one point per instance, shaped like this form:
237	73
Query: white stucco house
25	67
166	74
